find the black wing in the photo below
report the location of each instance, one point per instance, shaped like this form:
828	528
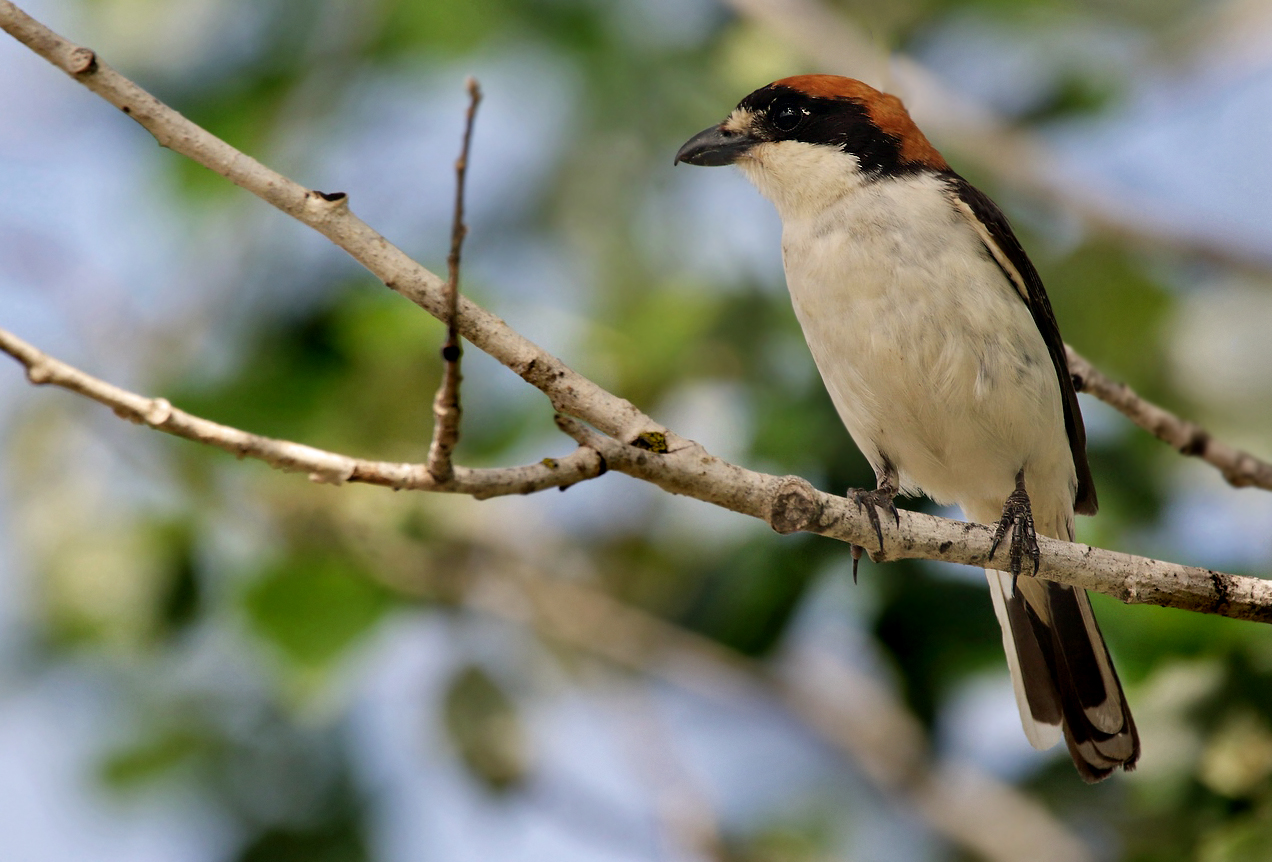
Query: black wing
1005	249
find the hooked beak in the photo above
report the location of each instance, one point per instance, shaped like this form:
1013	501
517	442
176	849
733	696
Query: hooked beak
714	147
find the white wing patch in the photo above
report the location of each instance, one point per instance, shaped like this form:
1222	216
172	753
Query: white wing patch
999	257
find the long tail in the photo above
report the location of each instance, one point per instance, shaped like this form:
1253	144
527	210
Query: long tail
1060	667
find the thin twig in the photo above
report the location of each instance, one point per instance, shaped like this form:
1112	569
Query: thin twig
321	465
447	410
1240	468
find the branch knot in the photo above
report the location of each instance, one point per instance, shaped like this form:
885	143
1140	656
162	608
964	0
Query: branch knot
158	412
39	373
796	506
81	61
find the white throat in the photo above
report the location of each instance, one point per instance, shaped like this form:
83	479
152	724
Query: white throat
802	180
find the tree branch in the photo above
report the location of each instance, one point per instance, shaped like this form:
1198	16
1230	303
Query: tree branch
654	454
322	466
447	410
1240	468
329	214
790	504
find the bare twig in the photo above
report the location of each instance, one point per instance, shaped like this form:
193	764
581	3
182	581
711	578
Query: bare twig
447	410
322	466
1241	469
787	503
791	504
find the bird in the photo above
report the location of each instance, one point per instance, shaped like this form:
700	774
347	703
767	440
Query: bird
938	346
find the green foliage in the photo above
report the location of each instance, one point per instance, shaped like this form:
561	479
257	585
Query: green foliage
1245	839
448	27
664	331
746	597
937	630
485	729
338	840
1111	309
314	607
150	759
316	376
1073	94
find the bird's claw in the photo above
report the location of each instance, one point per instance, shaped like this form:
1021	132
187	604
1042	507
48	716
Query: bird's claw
872	502
1017	517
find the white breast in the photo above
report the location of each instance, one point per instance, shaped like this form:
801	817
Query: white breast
932	359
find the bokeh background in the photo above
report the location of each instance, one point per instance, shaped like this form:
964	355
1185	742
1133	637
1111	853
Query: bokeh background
202	659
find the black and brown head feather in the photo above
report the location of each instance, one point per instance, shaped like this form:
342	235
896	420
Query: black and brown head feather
873	126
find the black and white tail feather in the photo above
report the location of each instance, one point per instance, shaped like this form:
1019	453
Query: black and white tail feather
1064	680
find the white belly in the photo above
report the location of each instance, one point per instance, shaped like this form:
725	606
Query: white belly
930	356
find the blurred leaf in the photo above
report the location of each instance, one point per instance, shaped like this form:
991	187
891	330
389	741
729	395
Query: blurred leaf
314	607
1074	93
129	767
332	840
486	730
243	112
1143	638
181	603
1244	839
780	845
1112	311
1247	686
1238	759
355	375
660	337
1129	482
748	595
445	26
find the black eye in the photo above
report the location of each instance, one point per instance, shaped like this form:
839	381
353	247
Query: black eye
785	117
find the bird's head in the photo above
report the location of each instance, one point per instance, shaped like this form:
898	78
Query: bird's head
808	139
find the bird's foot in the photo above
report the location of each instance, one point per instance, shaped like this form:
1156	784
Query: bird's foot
1018	518
872	502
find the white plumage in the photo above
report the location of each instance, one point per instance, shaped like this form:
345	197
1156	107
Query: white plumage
953	386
